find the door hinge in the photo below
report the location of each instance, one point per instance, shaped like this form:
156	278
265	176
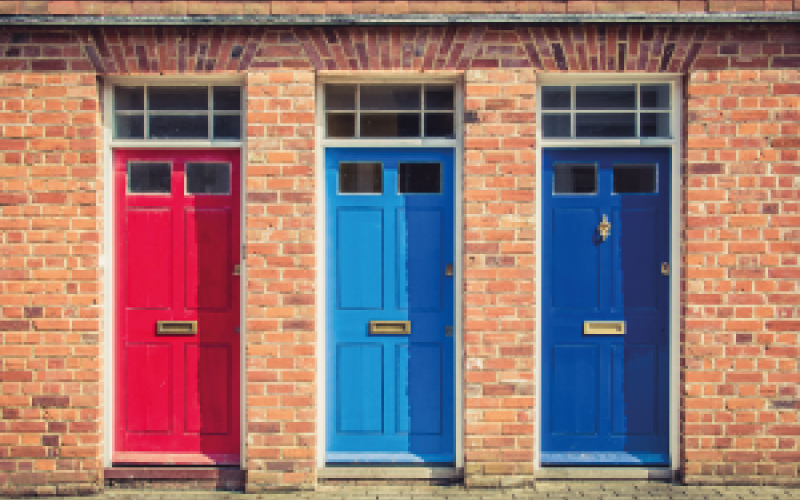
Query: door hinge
665	268
448	331
244	251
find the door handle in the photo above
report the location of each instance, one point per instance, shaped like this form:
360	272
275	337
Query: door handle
604	228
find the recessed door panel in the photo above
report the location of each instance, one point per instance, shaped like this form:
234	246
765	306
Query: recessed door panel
575	275
148	407
419	259
605	306
637	256
389	302
422	391
635	392
574	388
209	266
360	267
359	383
149	257
208	395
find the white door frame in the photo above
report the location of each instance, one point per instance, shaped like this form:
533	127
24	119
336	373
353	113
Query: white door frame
674	143
107	260
322	143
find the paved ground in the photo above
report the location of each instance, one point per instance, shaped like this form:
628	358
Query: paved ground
597	490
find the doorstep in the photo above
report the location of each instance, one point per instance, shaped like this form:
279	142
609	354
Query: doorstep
612	474
186	478
390	473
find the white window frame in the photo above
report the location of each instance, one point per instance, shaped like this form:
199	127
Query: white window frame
107	260
573	111
674	142
457	144
357	111
110	111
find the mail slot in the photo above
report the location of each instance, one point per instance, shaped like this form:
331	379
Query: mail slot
604	328
176	328
390	327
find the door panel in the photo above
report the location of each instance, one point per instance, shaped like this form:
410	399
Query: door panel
574	402
208	236
149	246
573	231
634	379
605	396
419	280
208	393
390	396
149	399
360	243
421	392
636	257
360	388
177	393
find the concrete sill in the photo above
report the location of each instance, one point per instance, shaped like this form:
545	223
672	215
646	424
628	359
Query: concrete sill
390	473
621	473
173	473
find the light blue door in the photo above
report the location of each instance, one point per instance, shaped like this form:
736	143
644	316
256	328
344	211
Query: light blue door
389	360
605	306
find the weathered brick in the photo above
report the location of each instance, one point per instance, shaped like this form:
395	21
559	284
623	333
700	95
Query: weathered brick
738	227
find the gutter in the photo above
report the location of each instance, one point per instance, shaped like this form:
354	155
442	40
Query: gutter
394	19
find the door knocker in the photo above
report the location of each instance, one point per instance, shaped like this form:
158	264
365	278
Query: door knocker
604	228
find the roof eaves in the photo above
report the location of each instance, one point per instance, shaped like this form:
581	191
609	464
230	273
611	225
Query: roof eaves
379	19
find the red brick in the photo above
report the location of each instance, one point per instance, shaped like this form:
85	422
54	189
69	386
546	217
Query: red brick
785	430
784	326
786	142
740	223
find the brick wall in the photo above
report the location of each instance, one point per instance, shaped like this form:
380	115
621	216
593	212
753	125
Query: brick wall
281	271
740	228
50	296
499	276
742	241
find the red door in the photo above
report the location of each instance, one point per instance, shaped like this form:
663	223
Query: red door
177	292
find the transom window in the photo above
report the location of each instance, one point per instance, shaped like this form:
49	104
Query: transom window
382	110
606	111
159	112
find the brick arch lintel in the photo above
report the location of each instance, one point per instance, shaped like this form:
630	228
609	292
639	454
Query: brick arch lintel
220	50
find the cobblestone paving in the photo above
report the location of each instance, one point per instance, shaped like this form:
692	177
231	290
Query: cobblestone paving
598	490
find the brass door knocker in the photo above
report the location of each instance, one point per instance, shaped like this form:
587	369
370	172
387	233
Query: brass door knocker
604	228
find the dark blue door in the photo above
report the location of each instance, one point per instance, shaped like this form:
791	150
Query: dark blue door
389	305
605	306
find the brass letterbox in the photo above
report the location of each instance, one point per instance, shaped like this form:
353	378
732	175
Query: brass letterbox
604	328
